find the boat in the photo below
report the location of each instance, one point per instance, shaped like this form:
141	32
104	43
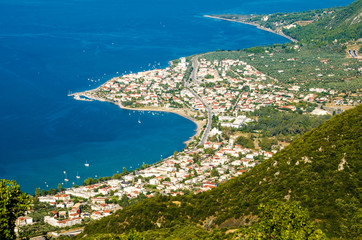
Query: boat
86	164
77	176
65	179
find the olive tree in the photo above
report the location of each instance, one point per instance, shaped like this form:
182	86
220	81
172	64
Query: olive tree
13	204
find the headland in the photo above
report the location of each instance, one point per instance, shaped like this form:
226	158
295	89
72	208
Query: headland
243	21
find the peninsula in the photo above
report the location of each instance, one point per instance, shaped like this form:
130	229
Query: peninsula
246	20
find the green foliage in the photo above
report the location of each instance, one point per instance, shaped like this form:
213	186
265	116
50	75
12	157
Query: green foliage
245	142
208	76
209	151
283	220
196	157
214	173
303	71
273	122
132	235
267	143
13	204
342	25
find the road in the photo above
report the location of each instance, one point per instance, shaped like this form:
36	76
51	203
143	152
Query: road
193	76
195	66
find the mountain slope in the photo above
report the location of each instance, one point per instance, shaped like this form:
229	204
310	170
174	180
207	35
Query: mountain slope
321	169
344	25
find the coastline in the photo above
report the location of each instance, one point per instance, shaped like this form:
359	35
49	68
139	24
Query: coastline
255	25
179	111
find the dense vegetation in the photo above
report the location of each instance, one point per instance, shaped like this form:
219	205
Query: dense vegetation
320	27
321	170
13	204
305	66
342	26
272	122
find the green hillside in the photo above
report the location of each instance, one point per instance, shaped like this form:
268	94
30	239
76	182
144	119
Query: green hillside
321	170
342	25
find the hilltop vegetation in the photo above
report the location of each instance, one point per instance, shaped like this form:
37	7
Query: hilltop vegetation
321	170
342	25
320	27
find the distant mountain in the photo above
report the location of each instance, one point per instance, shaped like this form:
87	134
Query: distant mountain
322	170
343	25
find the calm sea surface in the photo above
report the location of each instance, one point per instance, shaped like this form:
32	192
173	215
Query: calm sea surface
48	48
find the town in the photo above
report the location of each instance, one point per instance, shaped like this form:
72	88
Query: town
220	96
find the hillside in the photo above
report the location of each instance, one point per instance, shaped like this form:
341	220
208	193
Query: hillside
342	24
321	170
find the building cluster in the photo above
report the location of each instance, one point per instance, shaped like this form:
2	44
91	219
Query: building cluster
230	88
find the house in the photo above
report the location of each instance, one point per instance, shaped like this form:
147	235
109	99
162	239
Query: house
22	221
100	200
62	197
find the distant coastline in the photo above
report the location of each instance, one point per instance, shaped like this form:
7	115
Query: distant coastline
254	24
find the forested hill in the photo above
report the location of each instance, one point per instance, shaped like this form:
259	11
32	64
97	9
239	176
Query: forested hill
321	170
344	24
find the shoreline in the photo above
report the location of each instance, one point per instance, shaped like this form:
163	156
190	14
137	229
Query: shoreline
179	111
255	25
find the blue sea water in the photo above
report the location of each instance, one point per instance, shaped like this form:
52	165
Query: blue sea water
48	48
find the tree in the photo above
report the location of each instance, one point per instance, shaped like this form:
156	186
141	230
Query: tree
124	201
60	187
88	181
214	173
51	191
284	220
13	204
37	192
245	142
267	143
196	157
141	196
209	151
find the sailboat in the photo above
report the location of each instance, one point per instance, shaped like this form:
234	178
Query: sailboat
86	164
77	176
65	179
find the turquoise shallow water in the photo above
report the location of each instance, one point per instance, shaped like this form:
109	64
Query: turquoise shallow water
50	47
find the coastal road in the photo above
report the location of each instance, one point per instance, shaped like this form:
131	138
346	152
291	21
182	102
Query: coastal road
195	66
193	76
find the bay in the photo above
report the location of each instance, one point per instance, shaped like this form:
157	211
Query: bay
48	48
